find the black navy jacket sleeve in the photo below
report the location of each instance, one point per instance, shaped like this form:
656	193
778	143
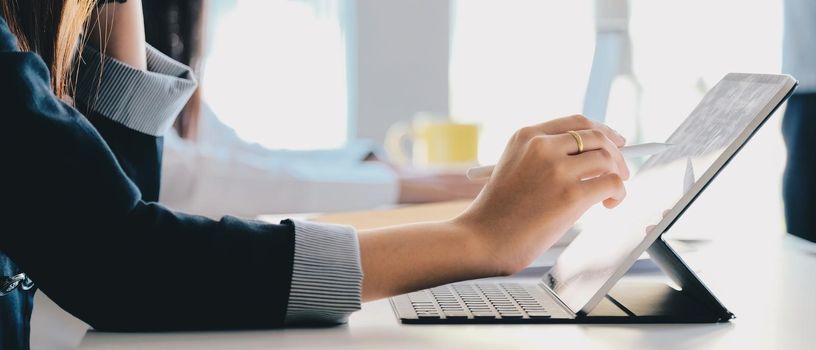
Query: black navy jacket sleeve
81	228
133	108
130	107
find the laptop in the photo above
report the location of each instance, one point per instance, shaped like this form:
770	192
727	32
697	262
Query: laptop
587	284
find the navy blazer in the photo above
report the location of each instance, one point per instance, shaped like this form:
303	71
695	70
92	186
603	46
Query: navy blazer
81	221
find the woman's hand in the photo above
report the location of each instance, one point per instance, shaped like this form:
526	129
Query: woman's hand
541	186
117	29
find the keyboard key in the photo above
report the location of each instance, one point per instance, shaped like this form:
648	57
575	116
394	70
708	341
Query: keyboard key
428	316
508	308
477	303
508	305
533	308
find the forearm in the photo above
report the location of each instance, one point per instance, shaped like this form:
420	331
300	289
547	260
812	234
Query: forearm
405	258
118	30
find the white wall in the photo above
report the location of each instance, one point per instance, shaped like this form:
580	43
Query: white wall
398	55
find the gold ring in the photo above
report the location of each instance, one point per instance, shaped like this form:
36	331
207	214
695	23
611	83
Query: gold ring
578	140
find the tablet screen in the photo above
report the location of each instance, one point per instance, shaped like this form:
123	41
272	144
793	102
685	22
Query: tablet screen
611	240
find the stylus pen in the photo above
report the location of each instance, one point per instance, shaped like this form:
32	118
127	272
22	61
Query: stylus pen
634	151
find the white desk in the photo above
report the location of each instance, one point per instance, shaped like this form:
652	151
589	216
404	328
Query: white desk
768	281
774	304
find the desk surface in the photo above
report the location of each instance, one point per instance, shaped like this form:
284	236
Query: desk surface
766	280
773	302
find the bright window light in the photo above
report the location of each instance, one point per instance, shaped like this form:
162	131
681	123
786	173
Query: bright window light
276	72
518	62
681	49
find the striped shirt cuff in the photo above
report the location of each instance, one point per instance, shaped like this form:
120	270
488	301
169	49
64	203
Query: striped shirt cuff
327	276
145	101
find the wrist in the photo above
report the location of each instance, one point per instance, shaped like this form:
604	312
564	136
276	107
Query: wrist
482	255
417	190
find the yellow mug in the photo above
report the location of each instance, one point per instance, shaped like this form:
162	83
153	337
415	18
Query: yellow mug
433	142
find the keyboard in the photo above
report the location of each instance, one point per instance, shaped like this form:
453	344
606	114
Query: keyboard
475	302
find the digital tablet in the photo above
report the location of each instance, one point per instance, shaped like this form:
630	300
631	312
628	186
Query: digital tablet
611	240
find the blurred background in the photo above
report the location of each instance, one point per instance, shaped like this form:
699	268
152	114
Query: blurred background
638	65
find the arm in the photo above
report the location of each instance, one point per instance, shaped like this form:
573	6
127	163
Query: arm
214	182
540	188
221	173
117	91
78	226
118	29
123	105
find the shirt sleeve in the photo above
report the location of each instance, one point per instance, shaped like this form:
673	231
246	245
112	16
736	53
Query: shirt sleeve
146	101
326	274
213	182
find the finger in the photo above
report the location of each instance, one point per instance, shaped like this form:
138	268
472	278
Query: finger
607	188
594	139
592	164
591	139
613	135
579	122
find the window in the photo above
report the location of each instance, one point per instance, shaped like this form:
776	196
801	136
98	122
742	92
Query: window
518	62
276	72
680	50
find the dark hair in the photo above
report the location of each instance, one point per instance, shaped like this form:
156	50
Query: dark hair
176	28
51	29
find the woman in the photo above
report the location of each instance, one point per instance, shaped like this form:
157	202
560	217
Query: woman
83	225
209	170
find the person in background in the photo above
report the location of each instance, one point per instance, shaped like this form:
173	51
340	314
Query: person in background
799	123
209	170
